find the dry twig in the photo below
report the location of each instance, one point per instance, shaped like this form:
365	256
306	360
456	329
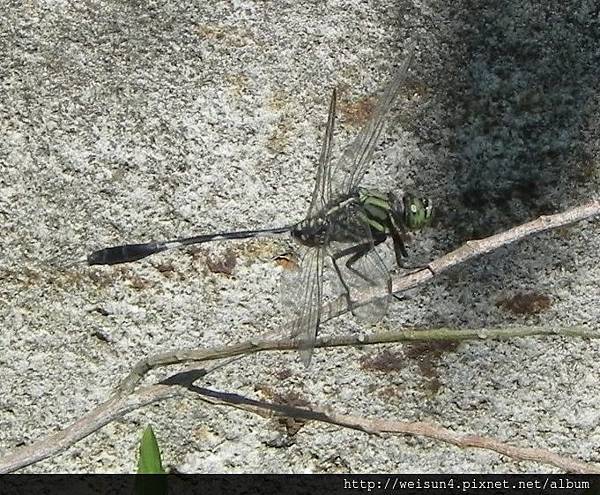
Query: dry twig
117	407
126	400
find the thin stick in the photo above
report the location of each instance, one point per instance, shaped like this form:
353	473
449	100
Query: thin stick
416	428
124	401
407	335
472	249
400	283
116	408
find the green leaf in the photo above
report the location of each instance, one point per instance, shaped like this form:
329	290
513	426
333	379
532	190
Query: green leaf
149	461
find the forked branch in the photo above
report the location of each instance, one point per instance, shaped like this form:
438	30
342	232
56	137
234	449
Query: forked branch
125	399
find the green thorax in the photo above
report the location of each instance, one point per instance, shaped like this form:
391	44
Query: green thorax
386	211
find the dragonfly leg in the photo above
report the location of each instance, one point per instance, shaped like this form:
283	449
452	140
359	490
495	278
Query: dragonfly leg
402	297
399	248
342	281
400	252
355	253
361	250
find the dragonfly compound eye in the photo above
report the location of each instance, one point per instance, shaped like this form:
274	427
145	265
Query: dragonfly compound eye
418	213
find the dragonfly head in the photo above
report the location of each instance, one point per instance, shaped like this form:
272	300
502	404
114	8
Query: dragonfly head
418	212
415	213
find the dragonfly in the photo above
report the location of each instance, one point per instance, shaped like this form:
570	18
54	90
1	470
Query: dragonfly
343	225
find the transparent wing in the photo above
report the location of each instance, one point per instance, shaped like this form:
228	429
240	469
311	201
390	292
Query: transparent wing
359	267
375	276
302	292
352	165
322	191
